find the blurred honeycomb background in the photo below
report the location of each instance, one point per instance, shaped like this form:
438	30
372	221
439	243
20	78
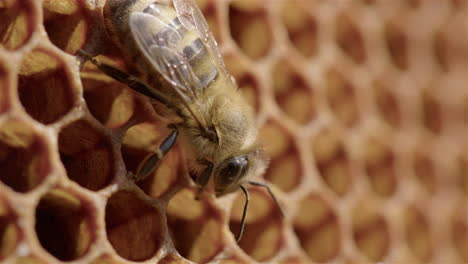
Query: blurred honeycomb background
362	106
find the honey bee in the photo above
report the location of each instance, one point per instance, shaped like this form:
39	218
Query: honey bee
175	51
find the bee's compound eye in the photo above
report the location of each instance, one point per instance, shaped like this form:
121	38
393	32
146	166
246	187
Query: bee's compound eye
232	169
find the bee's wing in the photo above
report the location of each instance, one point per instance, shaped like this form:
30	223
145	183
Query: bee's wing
163	53
192	18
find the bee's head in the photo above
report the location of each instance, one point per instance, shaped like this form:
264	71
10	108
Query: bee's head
233	171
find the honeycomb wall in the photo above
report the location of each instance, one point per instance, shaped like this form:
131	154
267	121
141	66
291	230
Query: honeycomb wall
362	107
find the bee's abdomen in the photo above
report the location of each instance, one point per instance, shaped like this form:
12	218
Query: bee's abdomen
185	43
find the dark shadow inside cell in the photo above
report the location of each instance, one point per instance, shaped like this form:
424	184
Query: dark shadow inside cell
459	231
418	235
133	227
464	111
302	28
461	174
249	88
63	225
65	24
397	45
332	161
24	160
16	23
44	87
380	168
285	167
285	171
262	237
350	40
424	168
251	31
5	89
293	94
441	53
194	228
108	101
87	155
317	228
140	142
432	113
387	104
342	99
370	232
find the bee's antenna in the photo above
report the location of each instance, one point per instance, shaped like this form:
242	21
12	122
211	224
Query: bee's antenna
246	205
270	192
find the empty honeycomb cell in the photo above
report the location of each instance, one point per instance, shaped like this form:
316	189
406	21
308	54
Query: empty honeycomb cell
17	23
379	160
285	169
341	98
9	231
301	26
418	235
109	101
64	224
423	167
87	155
370	231
246	82
133	227
251	30
316	226
349	39
44	86
71	37
292	93
263	233
387	104
24	156
397	45
332	160
459	230
195	227
432	113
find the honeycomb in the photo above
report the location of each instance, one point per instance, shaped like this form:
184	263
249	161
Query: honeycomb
368	149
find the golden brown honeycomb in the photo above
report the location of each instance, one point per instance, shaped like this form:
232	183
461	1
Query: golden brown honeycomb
362	107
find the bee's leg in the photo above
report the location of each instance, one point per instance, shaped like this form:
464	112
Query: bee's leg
265	185
202	180
127	79
149	163
244	214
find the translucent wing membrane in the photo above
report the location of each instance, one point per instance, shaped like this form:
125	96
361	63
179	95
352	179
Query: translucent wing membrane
159	41
192	18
